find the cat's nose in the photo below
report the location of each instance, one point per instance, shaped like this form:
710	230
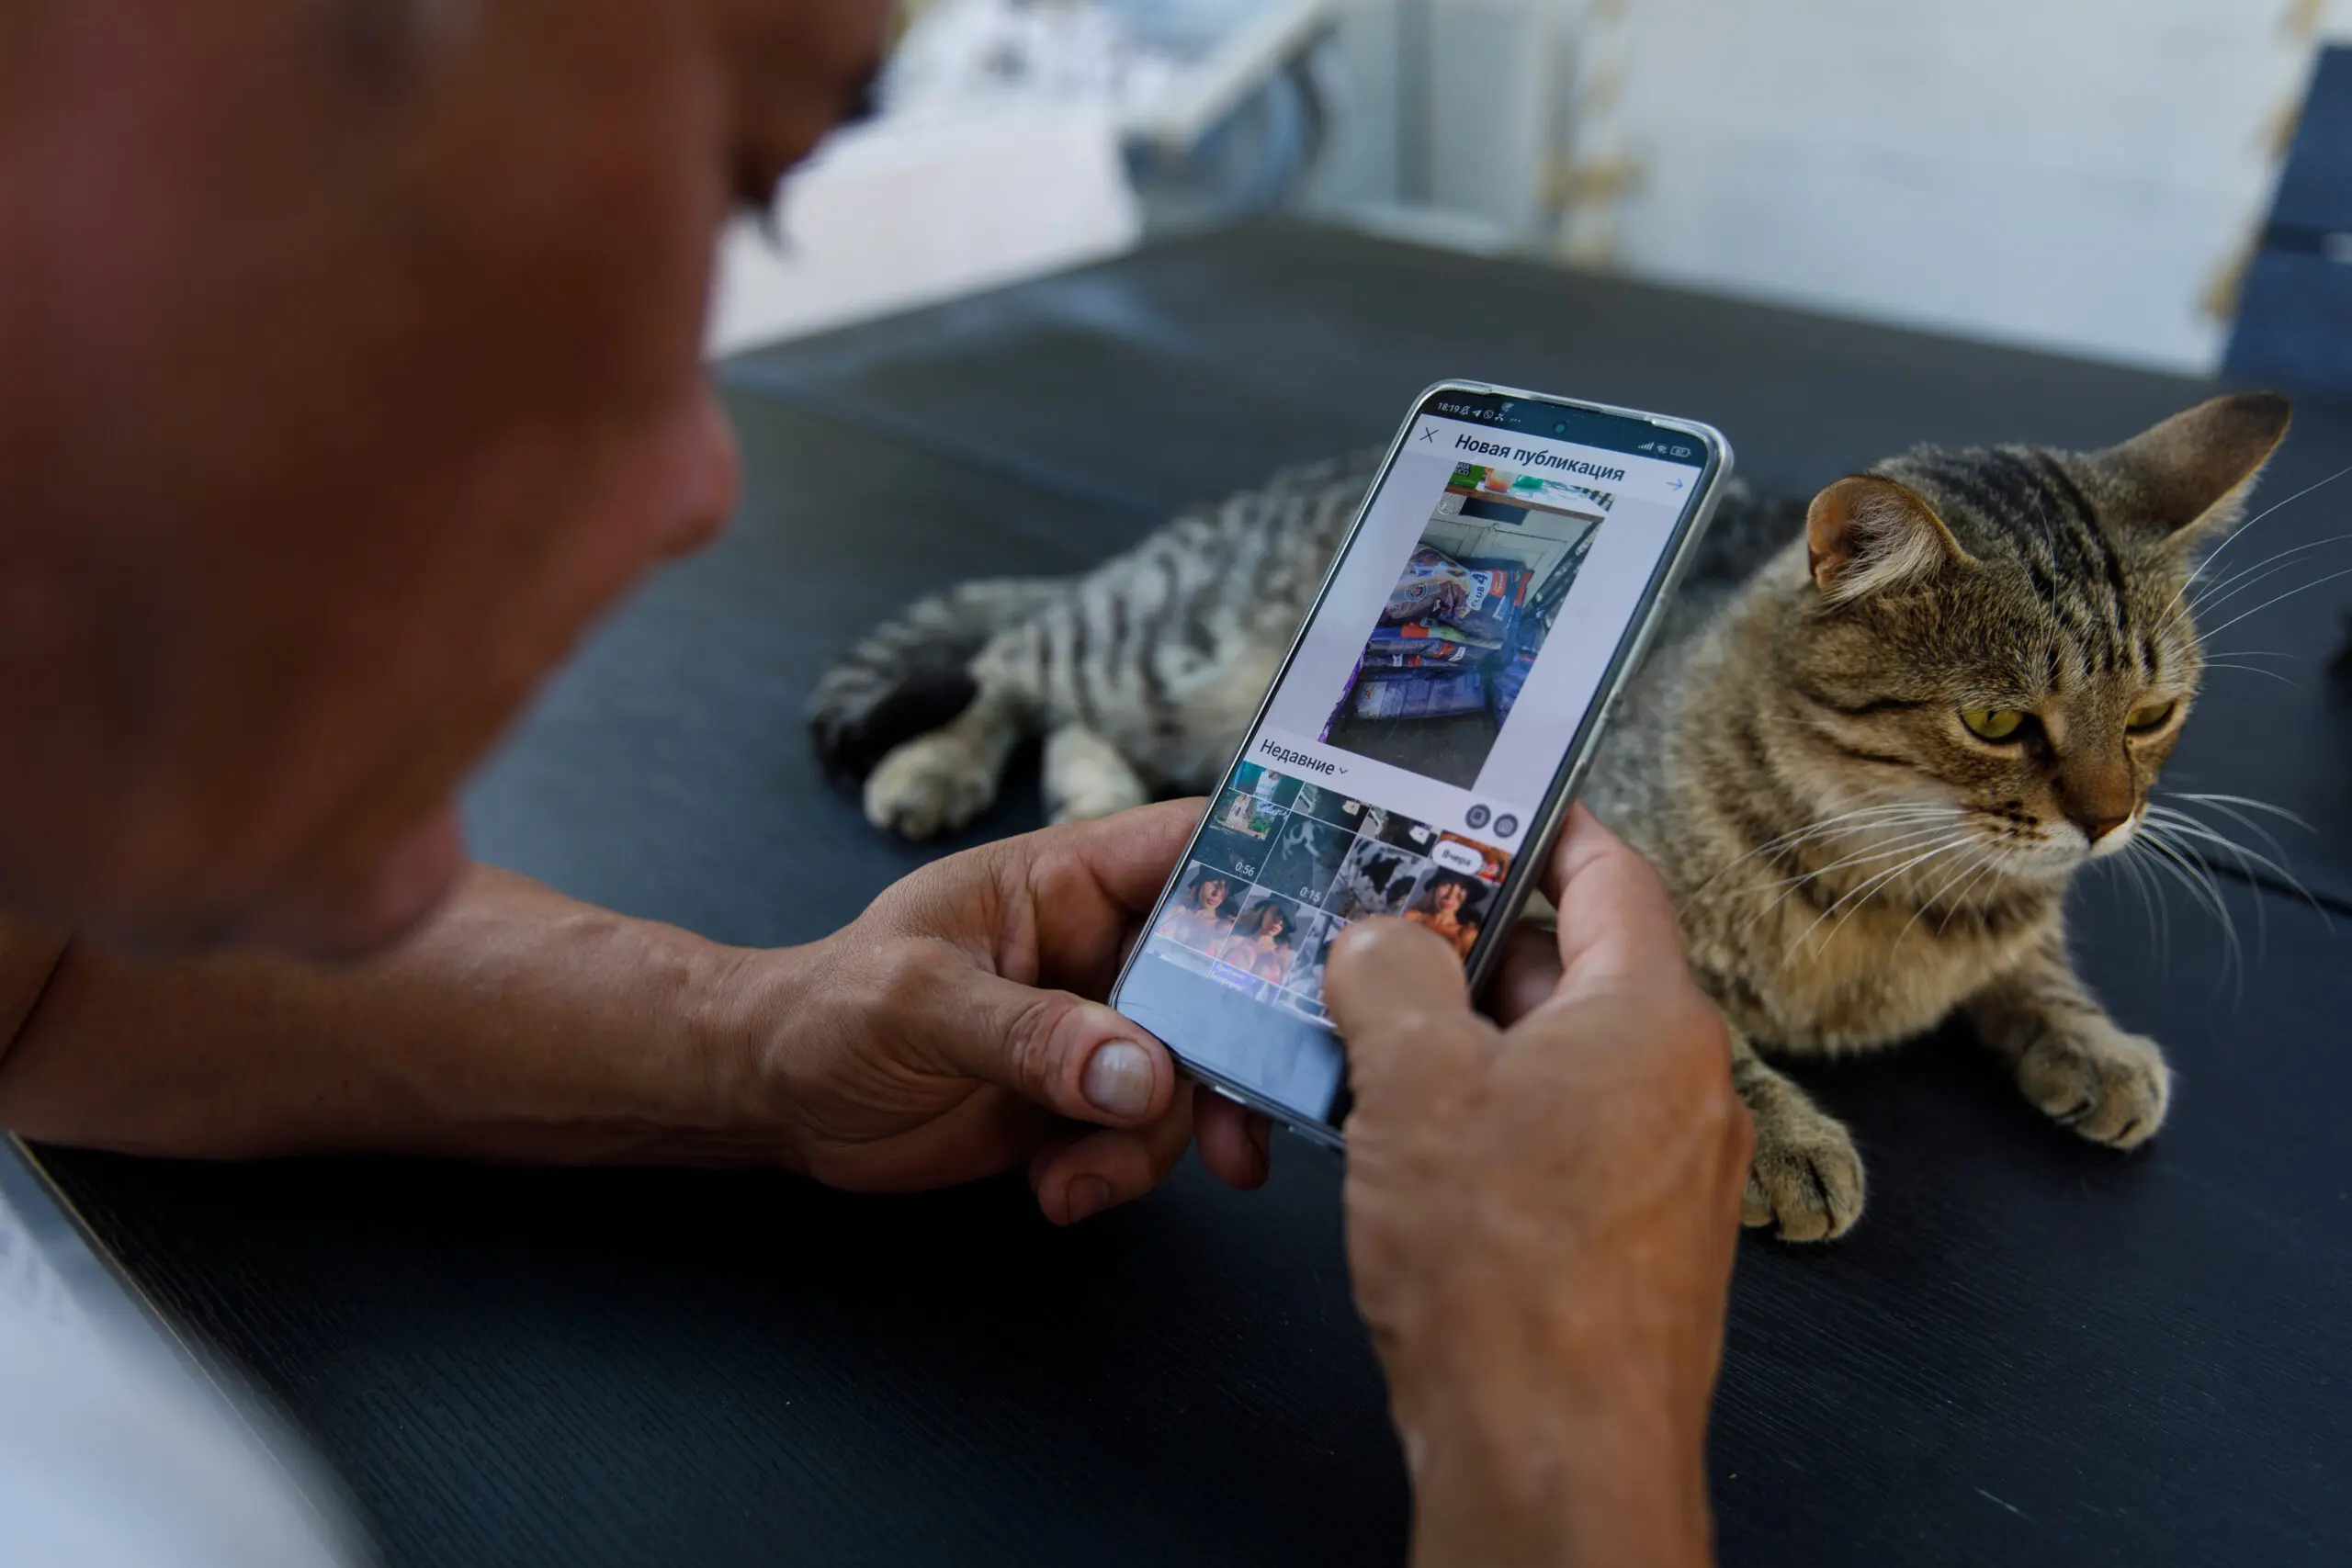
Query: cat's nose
2096	793
2097	827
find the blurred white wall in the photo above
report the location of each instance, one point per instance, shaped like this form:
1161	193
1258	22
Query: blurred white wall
2074	174
912	208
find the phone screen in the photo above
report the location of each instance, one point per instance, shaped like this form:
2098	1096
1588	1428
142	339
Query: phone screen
1414	740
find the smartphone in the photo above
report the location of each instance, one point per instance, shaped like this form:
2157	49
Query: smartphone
1428	728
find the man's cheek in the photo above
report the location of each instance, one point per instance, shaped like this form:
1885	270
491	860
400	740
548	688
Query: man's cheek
715	482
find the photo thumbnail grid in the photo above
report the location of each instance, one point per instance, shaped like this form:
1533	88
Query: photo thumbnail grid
1284	866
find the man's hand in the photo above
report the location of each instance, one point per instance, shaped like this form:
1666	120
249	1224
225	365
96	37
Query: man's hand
1540	1220
946	1034
936	1038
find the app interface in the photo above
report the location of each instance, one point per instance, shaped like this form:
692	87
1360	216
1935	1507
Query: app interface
1411	742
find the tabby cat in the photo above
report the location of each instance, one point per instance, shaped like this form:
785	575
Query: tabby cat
1866	766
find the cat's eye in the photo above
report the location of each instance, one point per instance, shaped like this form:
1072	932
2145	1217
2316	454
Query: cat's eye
1993	724
2153	715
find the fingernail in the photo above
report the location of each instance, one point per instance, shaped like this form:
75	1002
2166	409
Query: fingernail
1118	1079
1087	1196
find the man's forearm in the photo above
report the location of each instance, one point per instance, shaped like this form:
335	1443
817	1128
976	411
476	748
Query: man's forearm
519	1024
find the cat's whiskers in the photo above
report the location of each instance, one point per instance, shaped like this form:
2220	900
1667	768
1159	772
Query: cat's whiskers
2186	831
2216	801
1860	895
2195	866
1778	892
2201	607
2128	864
2188	869
2246	577
1814	829
1911	838
1986	858
2280	599
1995	859
2228	658
2164	617
1854	823
2242	820
2252	669
2247	859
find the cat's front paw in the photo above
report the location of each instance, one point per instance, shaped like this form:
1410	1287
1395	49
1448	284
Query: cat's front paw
1086	777
2111	1087
932	784
1806	1178
1106	799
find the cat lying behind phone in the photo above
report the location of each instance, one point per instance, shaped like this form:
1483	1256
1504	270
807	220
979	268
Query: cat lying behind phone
1881	732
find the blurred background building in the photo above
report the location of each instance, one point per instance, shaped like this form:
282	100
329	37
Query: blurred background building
2081	175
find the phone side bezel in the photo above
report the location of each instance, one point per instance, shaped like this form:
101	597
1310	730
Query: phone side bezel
1665	578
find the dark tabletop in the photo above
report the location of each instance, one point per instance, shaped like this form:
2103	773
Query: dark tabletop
2031	1352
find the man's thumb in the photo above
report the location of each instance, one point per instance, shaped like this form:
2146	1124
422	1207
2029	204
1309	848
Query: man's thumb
1398	996
1075	1057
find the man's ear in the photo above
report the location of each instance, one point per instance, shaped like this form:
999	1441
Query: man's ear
2187	478
1865	535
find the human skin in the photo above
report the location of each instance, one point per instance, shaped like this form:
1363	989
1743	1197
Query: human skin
942	1036
1542	1213
354	363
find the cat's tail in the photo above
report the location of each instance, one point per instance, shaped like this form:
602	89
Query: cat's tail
909	675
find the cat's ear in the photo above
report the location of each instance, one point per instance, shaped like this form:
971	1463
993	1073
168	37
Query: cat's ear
2187	478
1865	535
